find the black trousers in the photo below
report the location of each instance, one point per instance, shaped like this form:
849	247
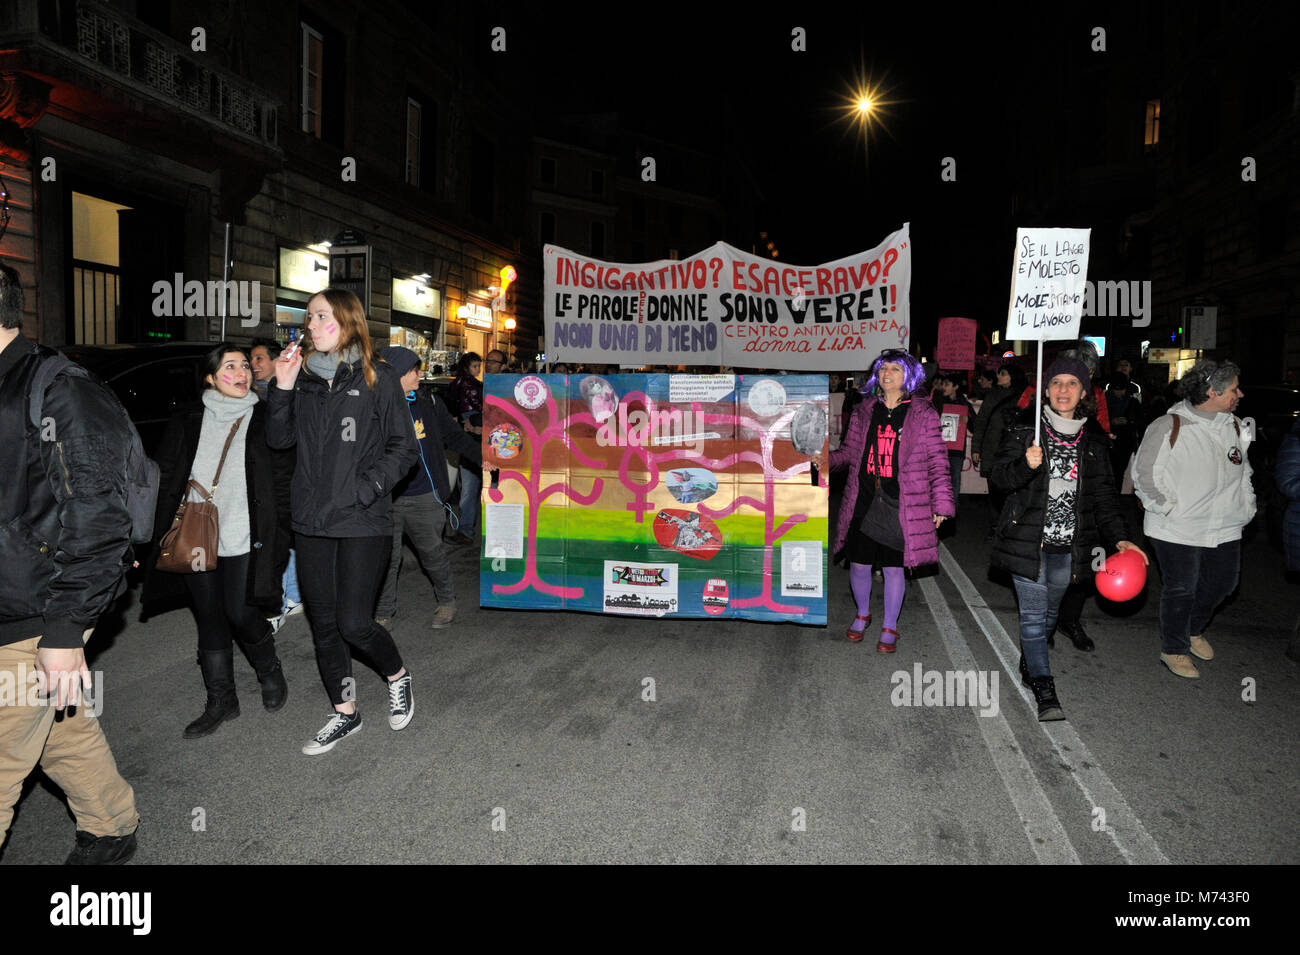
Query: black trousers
339	580
219	599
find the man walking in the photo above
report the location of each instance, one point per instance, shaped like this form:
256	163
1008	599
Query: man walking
65	544
1192	476
421	498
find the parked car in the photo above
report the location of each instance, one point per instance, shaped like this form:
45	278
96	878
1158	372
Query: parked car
149	380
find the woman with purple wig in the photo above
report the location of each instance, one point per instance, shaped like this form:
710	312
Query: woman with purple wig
899	489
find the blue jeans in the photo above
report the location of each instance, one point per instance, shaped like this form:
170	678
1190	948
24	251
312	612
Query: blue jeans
1039	601
1195	581
471	483
290	582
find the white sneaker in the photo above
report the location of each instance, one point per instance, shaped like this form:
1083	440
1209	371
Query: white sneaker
276	623
291	607
340	726
401	704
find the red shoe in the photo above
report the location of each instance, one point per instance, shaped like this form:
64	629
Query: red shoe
856	635
882	647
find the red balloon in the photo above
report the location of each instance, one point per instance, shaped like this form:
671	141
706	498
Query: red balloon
1123	576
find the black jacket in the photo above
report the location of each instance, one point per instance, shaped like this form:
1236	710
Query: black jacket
1020	527
443	432
987	429
267	474
65	532
354	445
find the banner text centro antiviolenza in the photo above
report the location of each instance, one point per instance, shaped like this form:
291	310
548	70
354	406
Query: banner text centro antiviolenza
727	307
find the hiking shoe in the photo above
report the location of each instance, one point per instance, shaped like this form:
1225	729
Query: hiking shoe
1049	707
442	617
401	705
341	725
101	850
1180	664
1201	649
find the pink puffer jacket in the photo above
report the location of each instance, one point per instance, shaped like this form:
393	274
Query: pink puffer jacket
925	483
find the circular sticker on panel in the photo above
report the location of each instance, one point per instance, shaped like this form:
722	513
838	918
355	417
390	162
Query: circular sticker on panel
808	429
505	441
767	397
600	397
531	392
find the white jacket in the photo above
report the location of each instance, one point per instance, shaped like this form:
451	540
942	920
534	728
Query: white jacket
1199	492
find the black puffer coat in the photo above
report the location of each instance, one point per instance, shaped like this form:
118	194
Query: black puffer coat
267	474
354	445
1019	540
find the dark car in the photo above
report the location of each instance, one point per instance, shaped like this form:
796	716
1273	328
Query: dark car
149	380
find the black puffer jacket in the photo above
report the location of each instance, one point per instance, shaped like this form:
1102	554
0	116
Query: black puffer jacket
1020	528
354	444
65	533
267	475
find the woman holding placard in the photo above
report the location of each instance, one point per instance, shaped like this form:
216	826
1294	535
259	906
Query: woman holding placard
1060	503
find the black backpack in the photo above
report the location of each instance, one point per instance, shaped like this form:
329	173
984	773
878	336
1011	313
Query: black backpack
141	472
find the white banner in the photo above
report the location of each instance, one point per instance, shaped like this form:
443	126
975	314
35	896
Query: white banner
727	307
1049	278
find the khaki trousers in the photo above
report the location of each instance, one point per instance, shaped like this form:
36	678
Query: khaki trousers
71	749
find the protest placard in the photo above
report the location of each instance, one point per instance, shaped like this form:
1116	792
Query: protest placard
955	350
1048	282
726	307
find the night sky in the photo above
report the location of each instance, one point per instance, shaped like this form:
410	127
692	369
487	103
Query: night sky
733	86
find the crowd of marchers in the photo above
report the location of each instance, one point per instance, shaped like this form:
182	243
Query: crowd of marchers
317	462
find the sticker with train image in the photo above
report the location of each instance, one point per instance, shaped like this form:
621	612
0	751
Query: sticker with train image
687	532
716	596
691	485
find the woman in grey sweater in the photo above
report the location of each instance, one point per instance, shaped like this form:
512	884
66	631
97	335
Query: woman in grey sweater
232	599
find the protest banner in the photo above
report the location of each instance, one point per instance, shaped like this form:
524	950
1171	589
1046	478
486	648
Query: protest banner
1049	277
955	350
727	307
657	495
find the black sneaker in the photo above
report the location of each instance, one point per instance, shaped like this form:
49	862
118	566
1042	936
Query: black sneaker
102	850
1049	707
341	725
401	704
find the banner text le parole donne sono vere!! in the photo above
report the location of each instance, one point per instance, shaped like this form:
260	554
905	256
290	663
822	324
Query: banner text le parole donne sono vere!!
727	307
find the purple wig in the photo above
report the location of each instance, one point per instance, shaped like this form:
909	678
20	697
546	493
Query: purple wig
913	373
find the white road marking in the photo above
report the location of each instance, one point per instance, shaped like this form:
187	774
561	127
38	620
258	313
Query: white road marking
1122	824
1043	828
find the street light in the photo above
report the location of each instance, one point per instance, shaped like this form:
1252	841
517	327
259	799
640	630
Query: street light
865	104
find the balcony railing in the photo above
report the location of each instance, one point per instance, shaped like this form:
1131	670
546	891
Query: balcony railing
121	45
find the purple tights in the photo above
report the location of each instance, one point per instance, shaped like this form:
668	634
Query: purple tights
895	587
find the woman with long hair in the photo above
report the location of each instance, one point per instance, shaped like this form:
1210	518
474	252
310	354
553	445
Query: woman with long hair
899	489
1060	503
345	413
226	432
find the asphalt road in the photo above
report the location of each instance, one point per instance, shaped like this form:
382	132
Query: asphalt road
534	740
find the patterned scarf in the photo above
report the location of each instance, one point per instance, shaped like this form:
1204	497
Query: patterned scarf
1062	438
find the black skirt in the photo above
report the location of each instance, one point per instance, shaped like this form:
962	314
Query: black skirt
862	549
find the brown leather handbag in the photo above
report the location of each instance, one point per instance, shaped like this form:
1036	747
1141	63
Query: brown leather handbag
190	544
